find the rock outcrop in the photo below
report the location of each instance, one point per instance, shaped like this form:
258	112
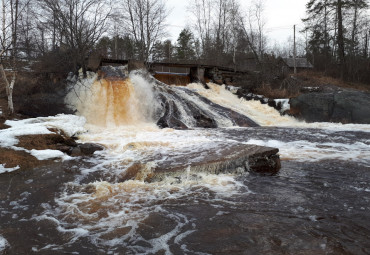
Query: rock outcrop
338	106
225	158
45	98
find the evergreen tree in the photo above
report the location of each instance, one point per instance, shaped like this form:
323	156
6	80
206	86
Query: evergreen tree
185	49
333	27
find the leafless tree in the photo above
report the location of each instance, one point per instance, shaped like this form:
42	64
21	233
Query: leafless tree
145	20
10	17
201	11
253	25
79	24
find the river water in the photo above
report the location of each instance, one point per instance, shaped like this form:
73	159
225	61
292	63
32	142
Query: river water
317	204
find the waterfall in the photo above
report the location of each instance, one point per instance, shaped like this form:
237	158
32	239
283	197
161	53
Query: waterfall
116	99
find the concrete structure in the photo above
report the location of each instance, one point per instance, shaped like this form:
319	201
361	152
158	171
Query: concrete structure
195	72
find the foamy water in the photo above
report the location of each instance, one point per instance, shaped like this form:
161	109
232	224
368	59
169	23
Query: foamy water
306	151
111	213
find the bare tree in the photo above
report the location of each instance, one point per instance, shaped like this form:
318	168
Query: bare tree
79	23
9	42
201	11
259	7
145	20
253	25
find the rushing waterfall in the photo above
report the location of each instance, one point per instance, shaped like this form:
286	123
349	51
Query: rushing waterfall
118	99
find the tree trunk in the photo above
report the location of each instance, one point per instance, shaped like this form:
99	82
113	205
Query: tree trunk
366	45
354	26
9	89
341	52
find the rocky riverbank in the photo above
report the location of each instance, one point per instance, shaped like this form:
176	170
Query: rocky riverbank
315	101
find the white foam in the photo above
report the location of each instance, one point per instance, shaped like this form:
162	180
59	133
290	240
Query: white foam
306	151
128	204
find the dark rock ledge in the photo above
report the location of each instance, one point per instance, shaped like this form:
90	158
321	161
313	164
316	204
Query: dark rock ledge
234	158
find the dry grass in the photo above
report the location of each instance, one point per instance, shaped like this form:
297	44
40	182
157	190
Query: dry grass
289	88
313	78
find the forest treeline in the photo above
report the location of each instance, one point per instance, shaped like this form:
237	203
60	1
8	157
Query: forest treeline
338	41
59	35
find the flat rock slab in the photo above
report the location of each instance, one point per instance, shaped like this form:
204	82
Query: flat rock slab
220	158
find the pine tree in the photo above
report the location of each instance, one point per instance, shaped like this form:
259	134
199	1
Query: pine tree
185	46
333	26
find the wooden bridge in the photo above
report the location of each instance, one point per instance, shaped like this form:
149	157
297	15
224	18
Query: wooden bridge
175	73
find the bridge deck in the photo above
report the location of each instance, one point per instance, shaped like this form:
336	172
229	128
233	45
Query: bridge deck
173	64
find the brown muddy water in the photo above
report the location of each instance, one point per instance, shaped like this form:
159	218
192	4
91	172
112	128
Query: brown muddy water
319	203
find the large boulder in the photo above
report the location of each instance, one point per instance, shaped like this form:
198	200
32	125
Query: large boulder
338	106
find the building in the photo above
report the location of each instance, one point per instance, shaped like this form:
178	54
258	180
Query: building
302	63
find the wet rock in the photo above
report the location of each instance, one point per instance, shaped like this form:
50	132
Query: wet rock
313	106
85	149
224	158
113	73
198	109
352	107
272	103
263	100
75	152
311	89
42	105
90	148
39	95
337	106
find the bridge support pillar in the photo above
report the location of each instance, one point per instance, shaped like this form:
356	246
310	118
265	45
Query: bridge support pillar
197	74
135	65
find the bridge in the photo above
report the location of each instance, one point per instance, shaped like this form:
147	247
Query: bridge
175	73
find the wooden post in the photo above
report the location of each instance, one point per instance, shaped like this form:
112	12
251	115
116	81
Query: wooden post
295	54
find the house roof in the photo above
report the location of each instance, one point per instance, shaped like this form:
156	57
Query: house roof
301	62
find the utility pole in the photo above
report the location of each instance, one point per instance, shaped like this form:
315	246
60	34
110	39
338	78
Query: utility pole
295	54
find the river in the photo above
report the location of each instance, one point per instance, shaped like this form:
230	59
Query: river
318	203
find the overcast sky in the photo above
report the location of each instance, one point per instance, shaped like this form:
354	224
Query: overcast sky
280	17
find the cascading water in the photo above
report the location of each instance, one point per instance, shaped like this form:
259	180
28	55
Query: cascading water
317	204
120	100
